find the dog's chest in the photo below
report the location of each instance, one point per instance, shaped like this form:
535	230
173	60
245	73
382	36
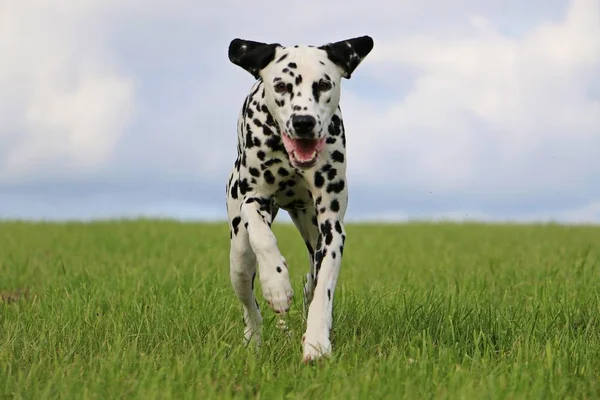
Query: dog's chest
277	179
293	194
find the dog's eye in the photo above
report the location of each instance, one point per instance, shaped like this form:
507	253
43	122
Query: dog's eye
324	85
280	87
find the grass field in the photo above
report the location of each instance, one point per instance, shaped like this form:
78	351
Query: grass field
144	309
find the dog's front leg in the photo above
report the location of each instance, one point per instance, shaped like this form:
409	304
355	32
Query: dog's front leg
272	268
331	207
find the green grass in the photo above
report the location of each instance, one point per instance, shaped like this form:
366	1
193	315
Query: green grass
144	309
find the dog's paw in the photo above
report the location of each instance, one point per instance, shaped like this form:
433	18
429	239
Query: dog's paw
278	292
315	347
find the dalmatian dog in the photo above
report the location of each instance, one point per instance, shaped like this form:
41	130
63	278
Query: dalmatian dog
291	156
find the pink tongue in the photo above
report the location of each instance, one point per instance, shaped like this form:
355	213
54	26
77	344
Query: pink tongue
305	148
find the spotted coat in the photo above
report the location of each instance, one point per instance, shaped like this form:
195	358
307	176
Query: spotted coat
291	156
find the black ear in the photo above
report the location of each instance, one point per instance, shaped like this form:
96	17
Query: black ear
347	54
251	56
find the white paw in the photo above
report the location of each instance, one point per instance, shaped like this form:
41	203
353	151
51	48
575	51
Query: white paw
277	291
315	347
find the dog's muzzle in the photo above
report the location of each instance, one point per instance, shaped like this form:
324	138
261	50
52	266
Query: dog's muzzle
303	145
304	126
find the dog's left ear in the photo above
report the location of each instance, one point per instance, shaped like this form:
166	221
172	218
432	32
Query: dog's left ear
252	56
347	54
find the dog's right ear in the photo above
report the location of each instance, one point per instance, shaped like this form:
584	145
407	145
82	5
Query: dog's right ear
252	56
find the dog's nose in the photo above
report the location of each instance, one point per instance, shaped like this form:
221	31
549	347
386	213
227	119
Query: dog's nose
304	125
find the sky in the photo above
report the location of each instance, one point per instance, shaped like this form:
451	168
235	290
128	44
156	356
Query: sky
463	110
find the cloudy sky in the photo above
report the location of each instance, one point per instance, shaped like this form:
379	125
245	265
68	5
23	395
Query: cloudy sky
464	109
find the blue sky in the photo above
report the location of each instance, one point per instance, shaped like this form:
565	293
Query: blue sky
479	110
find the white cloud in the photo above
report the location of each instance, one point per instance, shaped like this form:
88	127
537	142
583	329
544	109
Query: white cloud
63	103
486	111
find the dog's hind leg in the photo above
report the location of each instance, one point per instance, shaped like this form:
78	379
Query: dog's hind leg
306	223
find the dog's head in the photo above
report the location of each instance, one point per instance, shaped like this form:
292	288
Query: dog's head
302	87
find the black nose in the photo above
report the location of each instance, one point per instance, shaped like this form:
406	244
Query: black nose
304	125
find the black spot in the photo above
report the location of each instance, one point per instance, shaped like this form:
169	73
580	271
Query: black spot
279	269
331	174
244	186
319	180
335	205
249	142
254	172
298	80
337	156
235	222
338	227
261	155
283	57
319	260
269	177
274	143
253	277
269	121
315	91
282	171
272	161
333	255
257	122
234	190
267	131
329	294
292	65
327	231
336	187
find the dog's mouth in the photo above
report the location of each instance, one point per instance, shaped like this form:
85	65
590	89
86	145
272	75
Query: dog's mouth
303	152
